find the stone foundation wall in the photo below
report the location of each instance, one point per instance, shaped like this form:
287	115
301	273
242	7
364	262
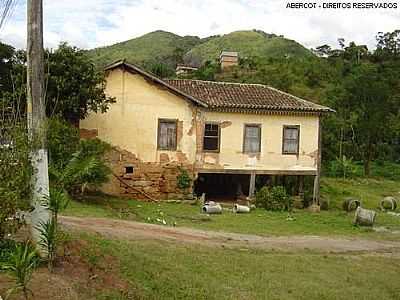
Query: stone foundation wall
158	180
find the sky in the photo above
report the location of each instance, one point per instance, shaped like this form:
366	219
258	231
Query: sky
94	23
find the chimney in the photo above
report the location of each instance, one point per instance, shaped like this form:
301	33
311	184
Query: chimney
228	59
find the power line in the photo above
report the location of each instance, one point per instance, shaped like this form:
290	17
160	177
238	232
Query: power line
6	9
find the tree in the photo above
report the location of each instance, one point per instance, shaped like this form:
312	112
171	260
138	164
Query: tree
161	70
6	63
388	44
369	97
74	86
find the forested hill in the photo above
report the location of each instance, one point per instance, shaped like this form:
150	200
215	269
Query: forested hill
249	44
169	48
157	46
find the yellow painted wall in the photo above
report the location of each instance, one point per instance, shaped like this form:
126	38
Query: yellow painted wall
131	124
231	154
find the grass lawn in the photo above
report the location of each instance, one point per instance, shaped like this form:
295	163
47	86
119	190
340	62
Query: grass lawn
102	268
167	270
259	221
369	191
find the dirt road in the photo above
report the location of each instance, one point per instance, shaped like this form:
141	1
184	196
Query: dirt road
140	231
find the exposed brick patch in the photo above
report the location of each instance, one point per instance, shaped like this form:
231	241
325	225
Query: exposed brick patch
88	133
164	158
181	157
157	179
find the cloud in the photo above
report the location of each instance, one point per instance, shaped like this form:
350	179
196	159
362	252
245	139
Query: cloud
93	23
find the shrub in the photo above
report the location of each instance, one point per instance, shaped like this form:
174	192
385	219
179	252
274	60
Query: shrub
6	248
21	264
48	240
15	177
342	167
86	169
274	199
183	180
56	202
62	142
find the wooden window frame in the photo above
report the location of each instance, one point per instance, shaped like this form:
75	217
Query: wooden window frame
163	120
298	139
244	137
219	137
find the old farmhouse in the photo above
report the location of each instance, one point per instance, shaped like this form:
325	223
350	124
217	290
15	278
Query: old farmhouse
222	134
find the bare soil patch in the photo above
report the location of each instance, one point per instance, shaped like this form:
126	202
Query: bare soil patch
138	231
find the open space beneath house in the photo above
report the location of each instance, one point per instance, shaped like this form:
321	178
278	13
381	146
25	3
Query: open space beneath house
238	186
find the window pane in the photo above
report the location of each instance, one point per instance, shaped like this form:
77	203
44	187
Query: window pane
252	131
290	146
163	138
252	139
291	133
211	130
211	137
167	135
171	137
290	140
210	143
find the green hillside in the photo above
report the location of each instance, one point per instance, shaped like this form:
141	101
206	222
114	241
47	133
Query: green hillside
155	46
249	43
169	48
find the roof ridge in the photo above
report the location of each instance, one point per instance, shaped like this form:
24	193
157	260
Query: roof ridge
220	82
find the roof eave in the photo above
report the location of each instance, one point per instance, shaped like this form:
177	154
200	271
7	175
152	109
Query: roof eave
273	109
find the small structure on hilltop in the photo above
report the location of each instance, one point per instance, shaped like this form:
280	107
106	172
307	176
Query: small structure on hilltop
228	59
184	70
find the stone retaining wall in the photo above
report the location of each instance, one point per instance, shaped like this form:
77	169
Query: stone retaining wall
156	179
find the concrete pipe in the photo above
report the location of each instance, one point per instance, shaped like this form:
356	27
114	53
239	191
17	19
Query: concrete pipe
241	209
212	209
350	204
364	217
389	203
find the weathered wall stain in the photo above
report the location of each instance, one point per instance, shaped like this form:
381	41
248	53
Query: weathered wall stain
179	131
225	124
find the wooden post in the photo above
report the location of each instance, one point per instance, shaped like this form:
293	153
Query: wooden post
317	180
300	182
36	115
252	184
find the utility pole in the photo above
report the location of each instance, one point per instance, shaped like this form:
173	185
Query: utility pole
36	113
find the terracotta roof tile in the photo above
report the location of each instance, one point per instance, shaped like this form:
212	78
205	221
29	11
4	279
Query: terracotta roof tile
244	96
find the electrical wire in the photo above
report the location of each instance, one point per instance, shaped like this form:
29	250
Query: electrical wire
6	9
